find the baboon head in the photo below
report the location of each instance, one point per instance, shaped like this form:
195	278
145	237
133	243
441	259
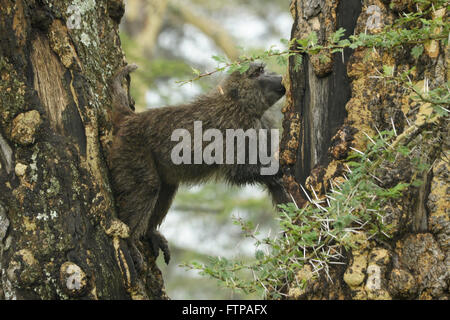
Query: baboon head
254	88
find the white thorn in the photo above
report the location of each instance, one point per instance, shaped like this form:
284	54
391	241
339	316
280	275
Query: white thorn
393	126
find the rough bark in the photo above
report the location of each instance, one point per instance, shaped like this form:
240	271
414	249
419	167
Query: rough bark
59	235
330	107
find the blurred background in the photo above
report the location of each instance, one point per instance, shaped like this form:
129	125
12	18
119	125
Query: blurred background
167	39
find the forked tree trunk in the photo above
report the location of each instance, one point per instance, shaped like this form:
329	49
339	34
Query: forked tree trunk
59	235
330	108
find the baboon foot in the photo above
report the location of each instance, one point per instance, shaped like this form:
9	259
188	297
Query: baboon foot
157	241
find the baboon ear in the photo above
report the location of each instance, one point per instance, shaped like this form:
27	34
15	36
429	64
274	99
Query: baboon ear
234	93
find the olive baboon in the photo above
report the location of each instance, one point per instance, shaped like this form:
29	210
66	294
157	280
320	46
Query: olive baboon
144	177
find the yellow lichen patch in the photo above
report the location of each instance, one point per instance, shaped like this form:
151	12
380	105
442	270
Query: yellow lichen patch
138	292
362	63
25	126
332	173
136	289
295	293
293	143
288	105
408	5
379	256
294	131
322	63
61	44
360	117
20	169
93	292
303	277
122	262
314	182
425	295
424	115
425	109
356	272
24	268
27	256
288	157
29	224
365	89
331	169
432	46
19	194
293	6
305	274
405	104
118	229
359	240
102	202
341	143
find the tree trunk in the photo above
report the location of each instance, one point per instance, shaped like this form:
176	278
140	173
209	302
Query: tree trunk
330	108
59	235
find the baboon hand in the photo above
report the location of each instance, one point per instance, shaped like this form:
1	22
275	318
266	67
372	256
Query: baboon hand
157	241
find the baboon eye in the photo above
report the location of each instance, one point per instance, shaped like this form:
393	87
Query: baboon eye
259	71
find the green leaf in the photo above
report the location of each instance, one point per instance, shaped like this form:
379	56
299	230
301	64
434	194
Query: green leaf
285	42
388	70
220	59
312	39
303	43
336	37
337	50
259	254
282	60
417	51
196	71
298	62
243	67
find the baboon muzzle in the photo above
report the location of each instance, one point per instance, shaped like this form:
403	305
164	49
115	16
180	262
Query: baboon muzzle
272	87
